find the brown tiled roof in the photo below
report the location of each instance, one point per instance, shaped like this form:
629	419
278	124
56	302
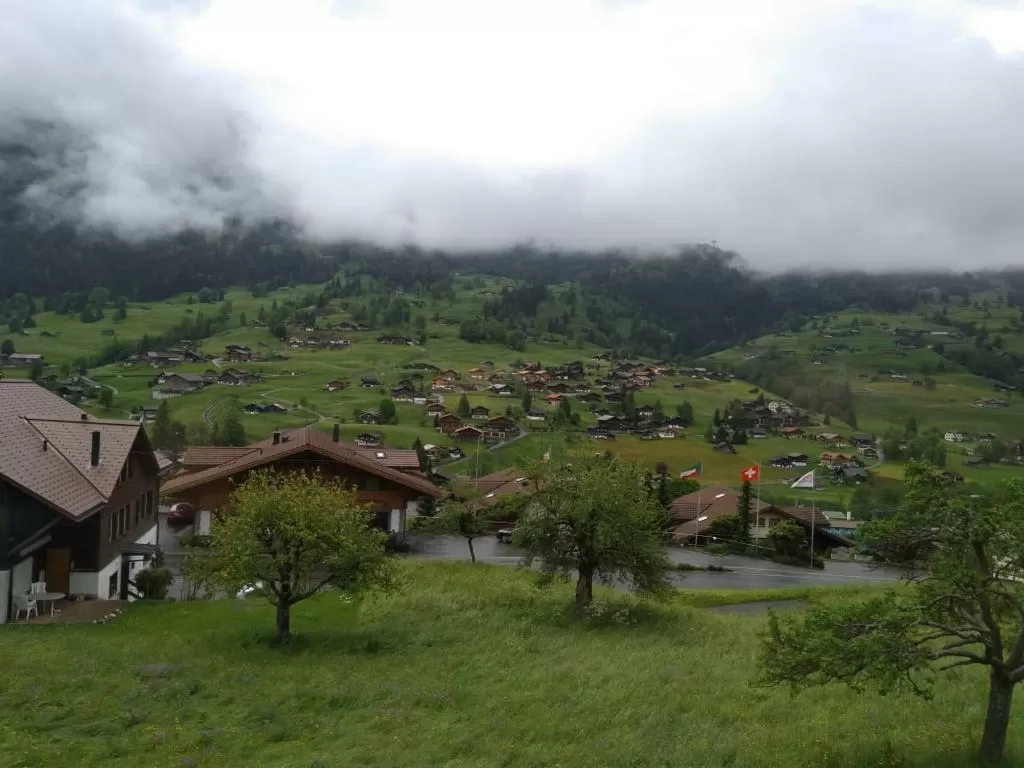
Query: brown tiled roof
401	459
695	511
200	456
61	476
296	441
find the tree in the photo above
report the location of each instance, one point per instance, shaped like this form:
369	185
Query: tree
728	530
243	321
35	369
99	296
229	429
106	397
745	511
162	426
463	408
787	538
593	515
685	412
527	400
965	608
293	534
421	454
7	347
387	412
466	515
911	429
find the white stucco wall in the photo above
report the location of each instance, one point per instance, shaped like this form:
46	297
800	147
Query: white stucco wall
97	583
5	590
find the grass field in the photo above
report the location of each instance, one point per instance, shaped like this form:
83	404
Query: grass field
468	667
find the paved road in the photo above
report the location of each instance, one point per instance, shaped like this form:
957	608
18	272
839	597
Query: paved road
745	572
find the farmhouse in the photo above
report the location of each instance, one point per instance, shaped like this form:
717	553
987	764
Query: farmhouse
479	412
435	408
502	426
955	436
182	383
393	495
448	423
468	433
78	498
19	358
335	385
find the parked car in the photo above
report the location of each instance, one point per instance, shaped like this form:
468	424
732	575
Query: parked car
181	514
504	535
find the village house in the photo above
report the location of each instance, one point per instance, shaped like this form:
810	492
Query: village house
834	459
468	433
503	426
335	385
955	436
237	352
369	417
181	383
369	382
450	375
369	439
478	373
22	359
436	409
534	415
479	412
448	423
832	439
392	494
441	384
792	433
78	498
403	394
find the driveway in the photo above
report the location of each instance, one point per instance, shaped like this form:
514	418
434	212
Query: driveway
744	572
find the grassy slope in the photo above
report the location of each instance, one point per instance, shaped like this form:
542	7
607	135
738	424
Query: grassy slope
469	666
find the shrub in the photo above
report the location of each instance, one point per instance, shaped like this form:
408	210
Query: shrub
154	583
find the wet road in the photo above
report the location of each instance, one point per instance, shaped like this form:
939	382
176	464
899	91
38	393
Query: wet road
745	572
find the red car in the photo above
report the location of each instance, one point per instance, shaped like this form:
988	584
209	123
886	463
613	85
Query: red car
181	514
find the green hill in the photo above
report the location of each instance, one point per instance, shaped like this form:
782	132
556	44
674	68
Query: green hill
467	665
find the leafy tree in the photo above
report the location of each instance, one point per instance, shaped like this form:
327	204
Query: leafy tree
387	411
15	325
685	412
35	370
293	534
527	400
99	296
592	515
728	530
911	429
7	347
463	409
466	515
965	608
229	429
745	511
788	539
106	397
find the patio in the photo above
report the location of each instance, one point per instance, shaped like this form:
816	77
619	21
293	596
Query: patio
74	612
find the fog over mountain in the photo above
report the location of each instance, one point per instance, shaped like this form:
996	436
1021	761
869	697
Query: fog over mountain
885	134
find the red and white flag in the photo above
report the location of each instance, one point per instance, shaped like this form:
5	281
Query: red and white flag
751	474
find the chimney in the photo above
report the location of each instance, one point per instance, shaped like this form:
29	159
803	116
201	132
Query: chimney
94	457
277	437
336	434
85	417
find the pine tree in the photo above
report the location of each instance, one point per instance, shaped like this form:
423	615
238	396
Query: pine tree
527	401
163	426
745	511
463	409
716	419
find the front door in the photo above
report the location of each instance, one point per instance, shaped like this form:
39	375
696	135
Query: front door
58	570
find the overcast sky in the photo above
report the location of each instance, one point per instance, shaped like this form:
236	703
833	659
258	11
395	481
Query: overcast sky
885	134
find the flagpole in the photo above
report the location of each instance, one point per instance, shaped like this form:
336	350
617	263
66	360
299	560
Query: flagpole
757	508
813	512
696	518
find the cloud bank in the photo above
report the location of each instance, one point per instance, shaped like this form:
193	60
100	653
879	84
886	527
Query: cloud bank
811	134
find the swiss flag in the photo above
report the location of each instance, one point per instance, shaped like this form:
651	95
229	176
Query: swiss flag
751	474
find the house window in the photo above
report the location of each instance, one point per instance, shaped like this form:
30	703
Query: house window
137	512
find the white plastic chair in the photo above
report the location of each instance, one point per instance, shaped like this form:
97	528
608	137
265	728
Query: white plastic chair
23	603
38	587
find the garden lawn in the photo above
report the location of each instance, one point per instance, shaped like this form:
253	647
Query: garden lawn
468	666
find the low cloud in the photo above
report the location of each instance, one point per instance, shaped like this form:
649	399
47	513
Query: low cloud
858	137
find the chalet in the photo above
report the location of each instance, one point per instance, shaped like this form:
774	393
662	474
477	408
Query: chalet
437	452
854	474
832	439
369	417
468	433
991	402
403	394
441	384
370	440
956	436
791	433
436	408
147	412
779	406
78	498
237	352
798	459
369	382
645	411
833	459
502	390
237	378
502	425
535	415
448	423
557	387
781	462
254	409
19	358
161	359
600	433
986	438
613	397
480	412
182	383
395	340
758	433
450	375
554	398
868	452
392	495
862	440
478	373
335	385
666	433
501	483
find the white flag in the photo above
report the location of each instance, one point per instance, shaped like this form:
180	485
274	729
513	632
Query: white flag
807	481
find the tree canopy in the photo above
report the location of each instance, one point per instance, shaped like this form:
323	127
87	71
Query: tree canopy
965	606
